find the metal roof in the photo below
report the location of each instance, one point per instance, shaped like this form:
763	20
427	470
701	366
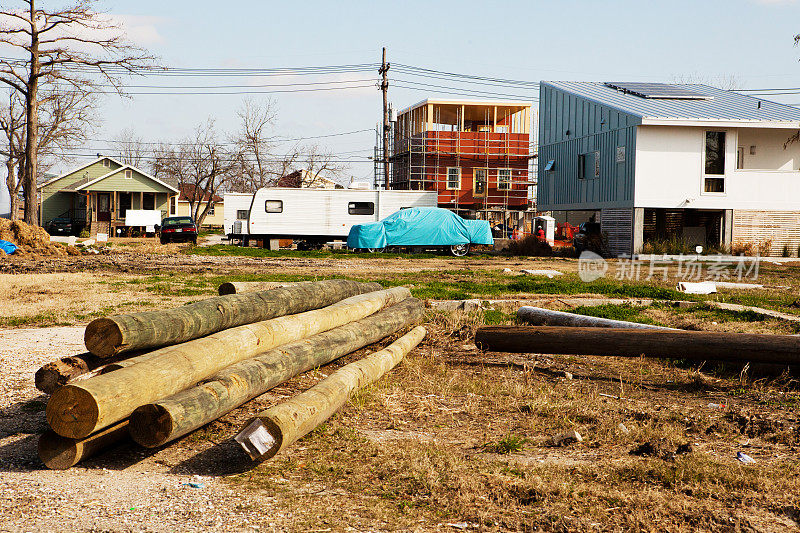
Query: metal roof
721	106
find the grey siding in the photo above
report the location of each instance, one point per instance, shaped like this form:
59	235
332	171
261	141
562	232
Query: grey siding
570	125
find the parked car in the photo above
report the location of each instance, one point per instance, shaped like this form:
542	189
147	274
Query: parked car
421	227
62	226
588	237
178	229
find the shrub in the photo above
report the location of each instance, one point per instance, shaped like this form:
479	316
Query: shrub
530	245
785	252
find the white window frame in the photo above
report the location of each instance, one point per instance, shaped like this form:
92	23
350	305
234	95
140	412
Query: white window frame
504	185
239	213
210	210
107	163
447	183
128	174
723	176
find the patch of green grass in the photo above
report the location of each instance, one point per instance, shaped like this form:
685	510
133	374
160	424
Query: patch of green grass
40	320
241	251
495	317
573	285
628	313
506	445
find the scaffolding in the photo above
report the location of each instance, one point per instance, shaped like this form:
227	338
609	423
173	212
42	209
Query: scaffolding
477	156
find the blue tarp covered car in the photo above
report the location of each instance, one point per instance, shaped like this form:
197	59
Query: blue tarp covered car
421	226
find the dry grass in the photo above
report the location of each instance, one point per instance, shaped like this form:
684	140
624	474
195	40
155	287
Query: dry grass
454	435
69	298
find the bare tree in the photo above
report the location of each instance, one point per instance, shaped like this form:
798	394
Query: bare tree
132	149
201	165
727	82
65	119
257	167
61	47
320	163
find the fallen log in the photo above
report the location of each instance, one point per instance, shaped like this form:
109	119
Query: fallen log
60	453
672	344
538	316
157	423
238	287
108	336
78	410
278	427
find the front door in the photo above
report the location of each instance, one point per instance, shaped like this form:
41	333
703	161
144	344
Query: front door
104	207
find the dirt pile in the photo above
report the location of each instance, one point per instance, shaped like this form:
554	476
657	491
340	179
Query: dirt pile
31	240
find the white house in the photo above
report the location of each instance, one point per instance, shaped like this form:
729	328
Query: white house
653	161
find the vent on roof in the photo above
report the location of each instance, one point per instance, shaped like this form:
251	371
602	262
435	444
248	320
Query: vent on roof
663	91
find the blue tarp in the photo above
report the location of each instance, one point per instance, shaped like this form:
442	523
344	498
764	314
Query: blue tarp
420	226
8	247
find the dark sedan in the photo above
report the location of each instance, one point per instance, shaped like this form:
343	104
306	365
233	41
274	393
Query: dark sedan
178	229
62	226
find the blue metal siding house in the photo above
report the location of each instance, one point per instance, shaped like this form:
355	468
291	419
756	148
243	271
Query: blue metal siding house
656	161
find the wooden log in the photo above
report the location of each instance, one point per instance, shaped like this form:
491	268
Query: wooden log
108	336
238	287
60	453
673	344
157	423
55	374
278	427
78	410
538	316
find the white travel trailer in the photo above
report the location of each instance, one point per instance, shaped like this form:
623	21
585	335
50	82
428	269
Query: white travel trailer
312	215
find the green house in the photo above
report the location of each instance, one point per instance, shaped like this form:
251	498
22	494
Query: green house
98	195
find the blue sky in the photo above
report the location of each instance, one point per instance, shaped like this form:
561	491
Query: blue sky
751	40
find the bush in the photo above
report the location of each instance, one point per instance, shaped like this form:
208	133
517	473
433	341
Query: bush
671	245
785	252
530	245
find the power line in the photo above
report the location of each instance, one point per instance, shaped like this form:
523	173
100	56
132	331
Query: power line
462	90
268	140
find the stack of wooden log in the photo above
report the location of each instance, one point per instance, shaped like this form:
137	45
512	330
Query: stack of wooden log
158	375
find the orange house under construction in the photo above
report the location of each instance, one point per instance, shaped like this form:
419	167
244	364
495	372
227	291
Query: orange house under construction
475	154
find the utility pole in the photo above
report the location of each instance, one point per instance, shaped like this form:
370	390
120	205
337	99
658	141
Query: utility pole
386	127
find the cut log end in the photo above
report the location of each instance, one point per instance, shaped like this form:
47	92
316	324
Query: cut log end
103	337
57	452
227	288
72	412
260	439
150	425
48	380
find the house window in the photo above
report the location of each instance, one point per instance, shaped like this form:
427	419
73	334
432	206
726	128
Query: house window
242	214
504	179
581	166
453	178
273	206
501	129
172	201
210	210
740	158
107	163
714	162
550	166
480	181
361	208
129	174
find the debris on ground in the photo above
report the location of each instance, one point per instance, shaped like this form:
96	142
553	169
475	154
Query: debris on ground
567	437
30	240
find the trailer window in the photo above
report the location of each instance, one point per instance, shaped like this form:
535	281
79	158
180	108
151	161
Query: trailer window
361	208
273	206
242	214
